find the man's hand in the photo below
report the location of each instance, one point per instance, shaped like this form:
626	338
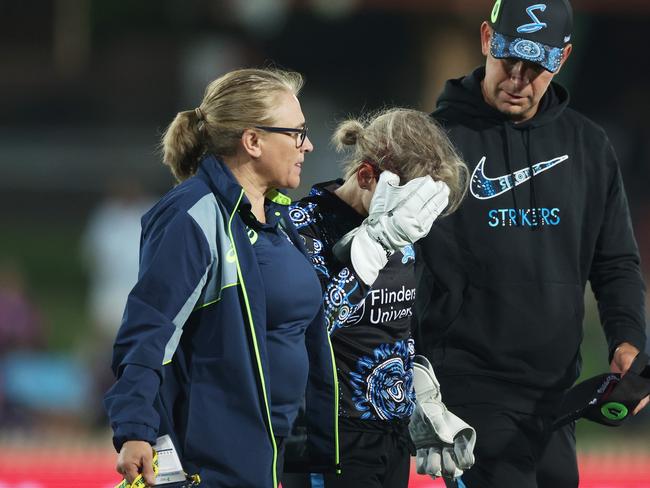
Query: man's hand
136	457
622	359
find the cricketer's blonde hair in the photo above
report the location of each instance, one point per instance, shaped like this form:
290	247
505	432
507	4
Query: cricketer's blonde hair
236	101
407	142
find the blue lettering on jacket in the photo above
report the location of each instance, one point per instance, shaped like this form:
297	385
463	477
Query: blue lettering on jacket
523	217
494	218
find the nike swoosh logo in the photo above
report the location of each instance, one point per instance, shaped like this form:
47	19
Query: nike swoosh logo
485	188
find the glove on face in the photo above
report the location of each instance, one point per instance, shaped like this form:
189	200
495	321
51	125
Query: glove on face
401	215
398	216
379	202
342	248
444	442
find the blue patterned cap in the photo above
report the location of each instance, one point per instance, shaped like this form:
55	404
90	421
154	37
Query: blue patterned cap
507	47
532	31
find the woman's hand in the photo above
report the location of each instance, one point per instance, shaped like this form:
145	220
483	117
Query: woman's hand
136	457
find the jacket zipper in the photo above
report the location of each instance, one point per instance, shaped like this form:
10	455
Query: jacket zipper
254	336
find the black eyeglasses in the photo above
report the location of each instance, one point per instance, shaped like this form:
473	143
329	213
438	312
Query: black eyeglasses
301	133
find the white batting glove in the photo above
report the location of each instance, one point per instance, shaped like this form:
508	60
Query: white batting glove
380	202
398	216
444	442
401	215
436	462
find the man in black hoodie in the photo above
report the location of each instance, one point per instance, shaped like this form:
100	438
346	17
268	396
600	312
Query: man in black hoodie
501	282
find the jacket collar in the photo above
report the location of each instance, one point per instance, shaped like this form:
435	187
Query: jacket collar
223	183
220	180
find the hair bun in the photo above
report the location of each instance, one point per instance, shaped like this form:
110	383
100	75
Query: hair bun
348	133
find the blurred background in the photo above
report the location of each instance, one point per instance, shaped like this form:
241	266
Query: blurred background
88	86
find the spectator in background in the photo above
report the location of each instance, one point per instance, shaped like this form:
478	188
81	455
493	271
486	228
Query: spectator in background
21	323
21	331
110	250
36	385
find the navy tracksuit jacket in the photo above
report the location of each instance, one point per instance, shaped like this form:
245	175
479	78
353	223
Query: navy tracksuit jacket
190	357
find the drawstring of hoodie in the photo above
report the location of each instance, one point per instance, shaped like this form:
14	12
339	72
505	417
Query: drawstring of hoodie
510	174
519	213
533	199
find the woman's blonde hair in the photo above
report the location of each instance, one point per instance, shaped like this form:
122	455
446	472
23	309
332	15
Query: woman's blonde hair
407	142
232	103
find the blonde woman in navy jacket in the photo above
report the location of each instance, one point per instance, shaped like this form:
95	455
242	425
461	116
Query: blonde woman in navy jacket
217	347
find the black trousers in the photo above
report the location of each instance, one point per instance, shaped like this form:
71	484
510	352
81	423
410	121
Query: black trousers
368	460
517	450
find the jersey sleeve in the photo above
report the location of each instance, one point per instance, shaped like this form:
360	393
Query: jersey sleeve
343	290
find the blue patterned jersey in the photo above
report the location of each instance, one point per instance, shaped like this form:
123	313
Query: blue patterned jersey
369	326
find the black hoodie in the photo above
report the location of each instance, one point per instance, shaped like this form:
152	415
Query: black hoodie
501	282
